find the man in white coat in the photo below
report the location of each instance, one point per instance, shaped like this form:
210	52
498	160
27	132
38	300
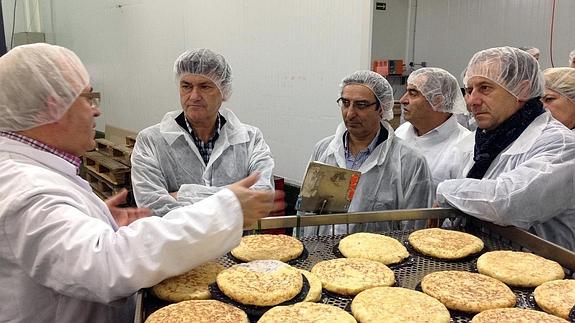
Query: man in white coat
196	151
519	167
63	255
393	175
430	105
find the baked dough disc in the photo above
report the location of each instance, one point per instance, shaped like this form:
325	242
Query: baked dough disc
190	285
556	297
396	304
520	269
467	292
349	276
373	246
445	244
268	246
260	282
306	312
198	311
515	315
315	287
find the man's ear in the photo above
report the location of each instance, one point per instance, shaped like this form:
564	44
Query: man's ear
523	88
438	101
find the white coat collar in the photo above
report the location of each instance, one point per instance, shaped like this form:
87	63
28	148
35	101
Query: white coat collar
439	133
527	139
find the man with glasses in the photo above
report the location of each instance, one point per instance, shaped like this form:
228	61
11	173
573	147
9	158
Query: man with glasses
65	255
393	176
431	103
197	150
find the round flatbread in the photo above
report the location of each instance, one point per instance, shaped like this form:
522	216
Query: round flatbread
520	269
373	246
349	276
188	286
515	315
260	282
445	244
268	246
396	304
556	297
315	287
306	312
467	292
203	311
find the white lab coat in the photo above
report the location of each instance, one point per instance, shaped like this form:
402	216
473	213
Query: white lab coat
529	185
165	159
394	176
436	146
62	256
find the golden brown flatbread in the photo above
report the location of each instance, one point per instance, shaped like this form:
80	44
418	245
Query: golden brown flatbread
396	304
349	276
260	282
515	315
315	287
190	285
467	292
204	311
445	244
556	297
268	246
517	268
373	246
306	313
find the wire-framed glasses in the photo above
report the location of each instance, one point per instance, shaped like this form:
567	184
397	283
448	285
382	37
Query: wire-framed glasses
360	105
93	98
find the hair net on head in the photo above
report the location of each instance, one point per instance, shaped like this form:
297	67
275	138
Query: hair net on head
206	63
562	81
531	50
439	88
377	84
38	83
515	70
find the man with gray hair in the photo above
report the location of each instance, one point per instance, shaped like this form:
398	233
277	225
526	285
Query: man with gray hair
430	105
65	255
192	154
393	176
519	167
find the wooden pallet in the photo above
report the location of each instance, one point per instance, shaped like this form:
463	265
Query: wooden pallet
113	171
105	146
101	186
130	141
117	152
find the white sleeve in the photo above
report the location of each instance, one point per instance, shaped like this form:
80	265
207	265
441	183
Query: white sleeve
54	239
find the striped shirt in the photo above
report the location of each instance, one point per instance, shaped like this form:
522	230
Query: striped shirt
72	159
205	148
354	162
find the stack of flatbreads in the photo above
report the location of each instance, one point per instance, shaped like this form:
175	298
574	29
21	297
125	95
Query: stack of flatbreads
445	244
519	269
349	276
268	247
188	286
205	311
373	246
467	292
261	282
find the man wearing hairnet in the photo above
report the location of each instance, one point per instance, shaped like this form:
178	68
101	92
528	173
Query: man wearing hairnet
430	105
521	164
196	151
393	176
65	255
559	95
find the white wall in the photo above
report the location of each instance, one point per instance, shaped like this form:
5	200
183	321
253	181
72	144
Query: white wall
287	59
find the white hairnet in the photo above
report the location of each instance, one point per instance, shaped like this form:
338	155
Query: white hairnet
515	70
38	83
206	63
439	88
377	84
571	56
531	50
562	81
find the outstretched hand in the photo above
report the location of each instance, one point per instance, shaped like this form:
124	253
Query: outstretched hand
256	204
125	216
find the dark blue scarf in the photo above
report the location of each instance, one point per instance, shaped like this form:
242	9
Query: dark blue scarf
488	144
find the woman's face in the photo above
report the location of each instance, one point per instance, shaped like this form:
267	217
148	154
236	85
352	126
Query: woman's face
561	108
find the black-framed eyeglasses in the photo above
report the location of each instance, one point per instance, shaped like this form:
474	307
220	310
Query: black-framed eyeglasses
93	98
360	105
